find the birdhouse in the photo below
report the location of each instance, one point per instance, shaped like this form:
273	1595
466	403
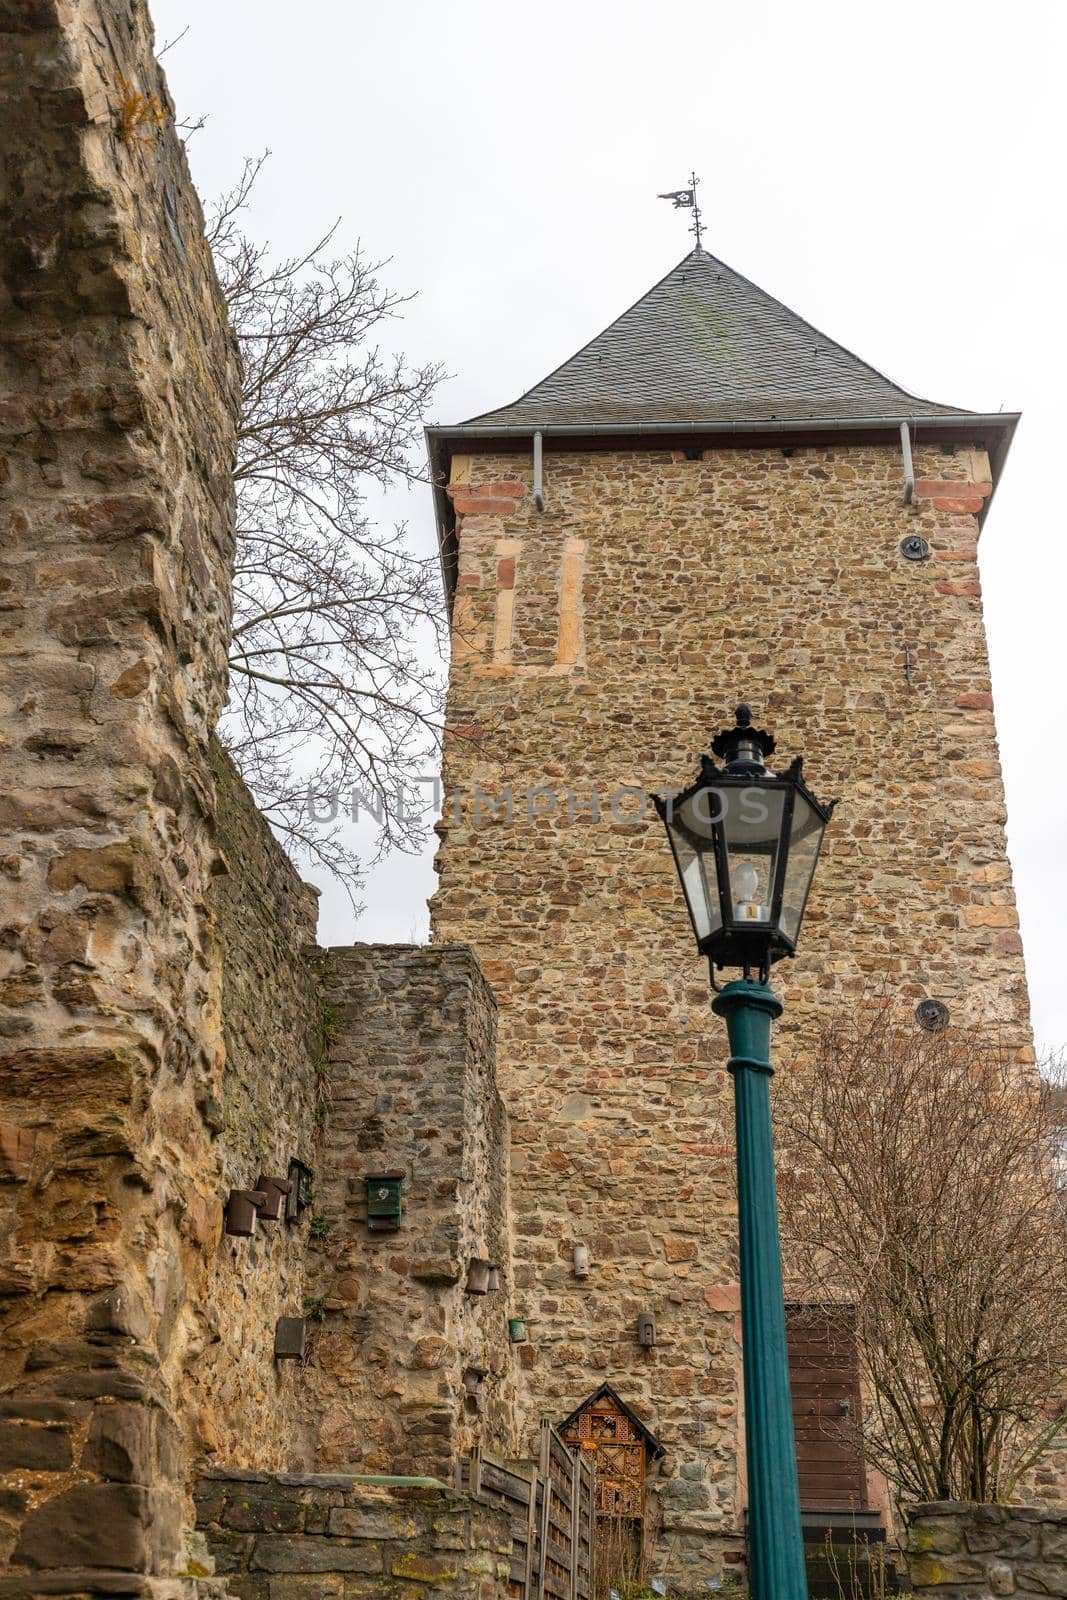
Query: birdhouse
277	1192
242	1208
646	1330
580	1260
384	1201
290	1338
478	1276
473	1379
301	1192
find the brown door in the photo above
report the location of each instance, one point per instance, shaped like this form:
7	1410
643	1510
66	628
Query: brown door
825	1379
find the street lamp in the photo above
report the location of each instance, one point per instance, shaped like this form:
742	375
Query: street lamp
746	842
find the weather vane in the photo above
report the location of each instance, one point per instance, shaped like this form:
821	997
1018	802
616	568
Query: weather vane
686	200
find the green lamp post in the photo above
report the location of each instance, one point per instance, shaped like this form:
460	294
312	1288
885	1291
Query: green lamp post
745	843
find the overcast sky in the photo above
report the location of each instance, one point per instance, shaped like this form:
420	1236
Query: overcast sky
894	174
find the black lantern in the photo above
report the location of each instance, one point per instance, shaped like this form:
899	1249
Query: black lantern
745	843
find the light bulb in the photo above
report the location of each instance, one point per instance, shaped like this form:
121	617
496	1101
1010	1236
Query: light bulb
746	881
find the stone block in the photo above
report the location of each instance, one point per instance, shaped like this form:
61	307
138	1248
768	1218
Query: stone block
1043	1577
120	1311
263	1516
275	1553
940	1535
32	1408
936	1570
230	1551
16	1152
96	1525
355	1523
31	1447
119	1446
416	1567
1000	1529
248	1586
293	1586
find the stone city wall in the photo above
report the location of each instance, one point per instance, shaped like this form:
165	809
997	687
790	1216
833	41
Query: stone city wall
974	1552
116	446
332	1535
410	1089
597	647
238	1404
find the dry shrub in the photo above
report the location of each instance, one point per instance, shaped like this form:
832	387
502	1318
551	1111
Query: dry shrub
918	1185
620	1560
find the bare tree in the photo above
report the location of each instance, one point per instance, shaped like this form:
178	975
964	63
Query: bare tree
918	1186
335	686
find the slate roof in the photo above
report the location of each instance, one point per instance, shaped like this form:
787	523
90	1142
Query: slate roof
706	345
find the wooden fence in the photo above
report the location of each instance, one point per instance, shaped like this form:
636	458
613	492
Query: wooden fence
552	1506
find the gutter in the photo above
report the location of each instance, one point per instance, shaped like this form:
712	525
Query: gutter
593	430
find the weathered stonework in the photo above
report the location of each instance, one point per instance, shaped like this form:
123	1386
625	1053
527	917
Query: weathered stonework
972	1552
410	1088
167	1034
237	1404
116	444
758	573
332	1535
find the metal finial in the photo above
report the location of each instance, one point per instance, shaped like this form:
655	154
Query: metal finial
743	747
686	200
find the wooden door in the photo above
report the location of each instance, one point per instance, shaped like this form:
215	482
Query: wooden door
825	1378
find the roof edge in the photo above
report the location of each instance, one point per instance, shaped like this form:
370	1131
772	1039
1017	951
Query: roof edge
745	425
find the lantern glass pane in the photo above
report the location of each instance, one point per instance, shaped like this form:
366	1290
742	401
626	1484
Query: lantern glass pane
805	837
703	907
752	827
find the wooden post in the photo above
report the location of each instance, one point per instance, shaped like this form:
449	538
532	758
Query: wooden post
576	1528
531	1536
545	1466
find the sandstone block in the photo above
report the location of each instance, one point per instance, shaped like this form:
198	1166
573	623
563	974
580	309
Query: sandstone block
27	1447
355	1523
1044	1577
97	1525
120	1444
111	870
722	1296
934	1570
303	1587
263	1516
133	681
121	1312
276	1553
16	1152
419	1568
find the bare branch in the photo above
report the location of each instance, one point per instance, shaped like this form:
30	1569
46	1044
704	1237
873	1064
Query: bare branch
335	680
918	1184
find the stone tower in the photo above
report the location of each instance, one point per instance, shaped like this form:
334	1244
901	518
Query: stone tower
710	501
